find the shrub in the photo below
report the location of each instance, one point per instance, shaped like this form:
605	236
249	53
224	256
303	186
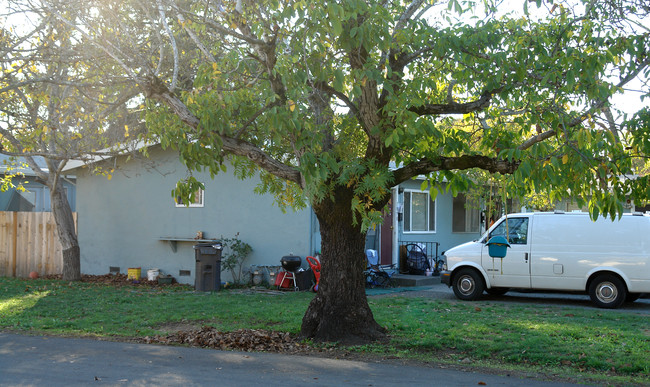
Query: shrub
235	252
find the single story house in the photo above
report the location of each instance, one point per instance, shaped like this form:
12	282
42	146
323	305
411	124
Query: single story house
131	220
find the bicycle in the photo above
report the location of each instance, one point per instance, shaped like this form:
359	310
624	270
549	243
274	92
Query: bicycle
438	264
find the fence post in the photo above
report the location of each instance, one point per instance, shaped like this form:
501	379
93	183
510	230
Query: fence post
14	247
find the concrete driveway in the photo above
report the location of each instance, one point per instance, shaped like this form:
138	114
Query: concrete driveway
443	292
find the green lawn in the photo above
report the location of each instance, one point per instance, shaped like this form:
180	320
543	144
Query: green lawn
605	345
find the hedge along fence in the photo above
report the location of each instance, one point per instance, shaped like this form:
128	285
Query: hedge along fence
29	242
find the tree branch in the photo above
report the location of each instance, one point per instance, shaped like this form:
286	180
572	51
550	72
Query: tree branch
455	107
157	90
163	19
194	38
322	86
252	119
406	15
426	166
102	47
597	105
226	31
401	23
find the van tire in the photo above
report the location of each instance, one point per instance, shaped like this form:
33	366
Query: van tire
468	284
607	291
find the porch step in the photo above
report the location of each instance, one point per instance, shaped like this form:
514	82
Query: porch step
414	280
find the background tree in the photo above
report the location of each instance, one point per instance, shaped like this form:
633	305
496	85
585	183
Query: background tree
50	107
320	98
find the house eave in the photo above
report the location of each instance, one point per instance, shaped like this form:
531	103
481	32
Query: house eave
107	154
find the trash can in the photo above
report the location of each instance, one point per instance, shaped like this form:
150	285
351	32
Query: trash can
208	266
304	279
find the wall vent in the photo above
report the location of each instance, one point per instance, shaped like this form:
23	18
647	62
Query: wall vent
182	273
114	269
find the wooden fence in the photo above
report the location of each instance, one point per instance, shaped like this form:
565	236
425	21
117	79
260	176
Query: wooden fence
29	242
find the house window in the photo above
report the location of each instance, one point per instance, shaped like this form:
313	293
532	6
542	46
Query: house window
465	215
419	212
197	200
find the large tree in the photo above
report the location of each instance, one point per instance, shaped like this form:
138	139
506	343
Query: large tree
320	97
51	107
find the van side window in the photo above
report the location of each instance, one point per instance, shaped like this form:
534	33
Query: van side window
517	230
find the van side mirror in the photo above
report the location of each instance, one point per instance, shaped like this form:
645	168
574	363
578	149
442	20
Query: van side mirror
497	246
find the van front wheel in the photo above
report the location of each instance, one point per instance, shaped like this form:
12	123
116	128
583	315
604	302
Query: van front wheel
607	291
468	284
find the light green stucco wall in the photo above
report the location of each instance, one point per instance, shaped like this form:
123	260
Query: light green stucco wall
122	219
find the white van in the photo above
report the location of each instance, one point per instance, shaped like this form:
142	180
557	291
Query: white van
610	260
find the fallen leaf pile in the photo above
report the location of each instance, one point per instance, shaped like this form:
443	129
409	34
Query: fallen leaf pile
208	337
240	340
113	279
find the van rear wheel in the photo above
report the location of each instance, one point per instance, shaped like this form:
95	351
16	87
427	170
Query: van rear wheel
607	291
468	284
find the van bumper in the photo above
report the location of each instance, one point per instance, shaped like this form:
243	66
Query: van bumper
445	277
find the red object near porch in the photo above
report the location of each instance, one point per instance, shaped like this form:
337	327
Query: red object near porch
314	263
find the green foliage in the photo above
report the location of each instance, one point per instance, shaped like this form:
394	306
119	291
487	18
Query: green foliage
336	91
185	190
234	253
9	178
6	183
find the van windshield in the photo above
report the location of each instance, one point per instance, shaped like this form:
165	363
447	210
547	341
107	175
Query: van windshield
515	230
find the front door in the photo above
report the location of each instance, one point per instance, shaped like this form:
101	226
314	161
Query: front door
512	271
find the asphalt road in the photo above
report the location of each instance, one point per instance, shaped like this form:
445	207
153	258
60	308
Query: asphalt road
54	361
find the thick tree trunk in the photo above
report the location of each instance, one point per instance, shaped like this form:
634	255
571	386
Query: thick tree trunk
340	310
67	233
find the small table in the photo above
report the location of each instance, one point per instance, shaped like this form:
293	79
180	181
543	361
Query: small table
174	240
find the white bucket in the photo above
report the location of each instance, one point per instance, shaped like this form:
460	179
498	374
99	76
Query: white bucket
152	274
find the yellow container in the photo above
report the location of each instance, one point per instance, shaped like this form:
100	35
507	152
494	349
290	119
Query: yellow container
134	273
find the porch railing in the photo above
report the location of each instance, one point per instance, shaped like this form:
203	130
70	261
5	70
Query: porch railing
429	248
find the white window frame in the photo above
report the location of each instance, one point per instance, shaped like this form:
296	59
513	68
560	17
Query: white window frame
428	212
201	202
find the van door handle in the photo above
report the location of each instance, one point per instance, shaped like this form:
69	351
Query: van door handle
526	257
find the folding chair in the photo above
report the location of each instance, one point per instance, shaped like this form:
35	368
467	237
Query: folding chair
376	275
